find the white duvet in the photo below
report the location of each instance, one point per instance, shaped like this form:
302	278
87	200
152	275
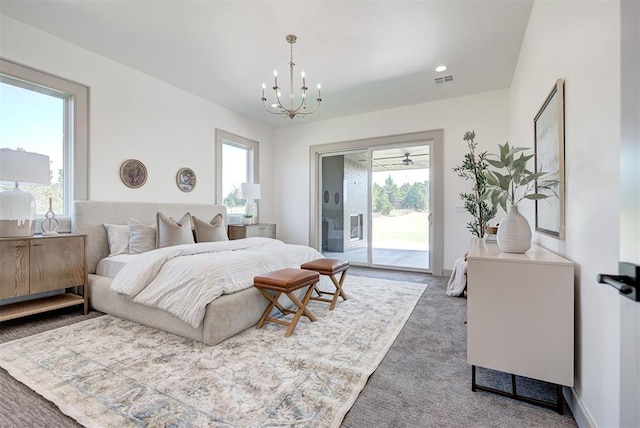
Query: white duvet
184	279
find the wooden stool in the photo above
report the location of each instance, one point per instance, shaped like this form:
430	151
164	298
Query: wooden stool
286	281
329	267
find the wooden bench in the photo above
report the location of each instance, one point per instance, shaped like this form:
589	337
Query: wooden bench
286	281
330	268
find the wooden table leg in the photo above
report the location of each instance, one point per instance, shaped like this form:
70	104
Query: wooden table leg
302	309
273	299
339	291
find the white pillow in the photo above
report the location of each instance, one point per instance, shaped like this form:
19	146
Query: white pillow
118	236
143	237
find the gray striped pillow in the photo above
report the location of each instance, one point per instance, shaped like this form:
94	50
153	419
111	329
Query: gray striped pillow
143	237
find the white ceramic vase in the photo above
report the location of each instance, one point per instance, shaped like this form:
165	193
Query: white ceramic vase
514	232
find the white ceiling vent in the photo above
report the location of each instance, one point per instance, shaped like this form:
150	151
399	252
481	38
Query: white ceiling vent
444	79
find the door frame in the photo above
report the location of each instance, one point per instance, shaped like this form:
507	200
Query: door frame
629	329
436	203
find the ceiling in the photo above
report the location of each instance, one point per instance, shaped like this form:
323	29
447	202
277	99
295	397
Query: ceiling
394	159
368	55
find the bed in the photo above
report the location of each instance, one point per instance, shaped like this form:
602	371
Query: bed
225	316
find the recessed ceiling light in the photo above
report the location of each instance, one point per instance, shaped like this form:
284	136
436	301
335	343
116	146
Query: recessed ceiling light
441	68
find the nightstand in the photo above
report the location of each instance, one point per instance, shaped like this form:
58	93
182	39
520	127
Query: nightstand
37	264
263	230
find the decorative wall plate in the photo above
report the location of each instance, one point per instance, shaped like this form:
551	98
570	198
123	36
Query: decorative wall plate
186	179
133	173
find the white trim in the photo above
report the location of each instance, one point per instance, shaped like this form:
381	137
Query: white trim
76	150
253	160
436	183
580	413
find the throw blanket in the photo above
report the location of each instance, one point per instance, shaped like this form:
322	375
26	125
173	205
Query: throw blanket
184	279
458	278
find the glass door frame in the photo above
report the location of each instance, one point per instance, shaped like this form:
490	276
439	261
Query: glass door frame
320	195
436	185
370	263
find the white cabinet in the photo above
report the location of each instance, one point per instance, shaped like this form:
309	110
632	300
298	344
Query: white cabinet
520	312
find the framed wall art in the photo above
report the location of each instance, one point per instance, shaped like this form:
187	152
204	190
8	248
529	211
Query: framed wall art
549	156
186	179
133	173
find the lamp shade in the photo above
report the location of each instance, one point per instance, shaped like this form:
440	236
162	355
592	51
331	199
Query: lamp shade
250	191
24	167
17	207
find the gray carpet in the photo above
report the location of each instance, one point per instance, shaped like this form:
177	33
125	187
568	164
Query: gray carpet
424	380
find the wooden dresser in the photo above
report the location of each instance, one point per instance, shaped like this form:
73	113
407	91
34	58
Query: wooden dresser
38	264
239	231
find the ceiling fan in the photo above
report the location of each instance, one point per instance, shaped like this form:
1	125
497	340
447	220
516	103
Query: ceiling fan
404	162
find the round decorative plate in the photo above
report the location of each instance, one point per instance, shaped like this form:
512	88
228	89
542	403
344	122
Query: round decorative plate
133	173
186	179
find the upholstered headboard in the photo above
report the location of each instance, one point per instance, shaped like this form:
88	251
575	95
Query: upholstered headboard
88	218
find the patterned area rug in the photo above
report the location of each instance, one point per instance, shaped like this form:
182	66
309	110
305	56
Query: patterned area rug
108	372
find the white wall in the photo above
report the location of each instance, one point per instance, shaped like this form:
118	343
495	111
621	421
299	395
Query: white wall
485	113
136	116
579	41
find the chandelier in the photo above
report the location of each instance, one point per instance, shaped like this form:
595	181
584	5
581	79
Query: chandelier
278	107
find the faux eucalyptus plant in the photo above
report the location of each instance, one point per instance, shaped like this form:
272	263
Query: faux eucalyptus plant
514	182
474	168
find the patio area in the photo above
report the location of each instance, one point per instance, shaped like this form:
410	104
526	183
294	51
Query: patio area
386	257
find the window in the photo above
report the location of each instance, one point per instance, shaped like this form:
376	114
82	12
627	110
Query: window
45	114
237	163
33	119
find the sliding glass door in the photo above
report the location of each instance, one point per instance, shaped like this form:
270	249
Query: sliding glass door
400	195
375	206
345	205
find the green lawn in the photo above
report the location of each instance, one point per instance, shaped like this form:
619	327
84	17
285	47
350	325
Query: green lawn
402	229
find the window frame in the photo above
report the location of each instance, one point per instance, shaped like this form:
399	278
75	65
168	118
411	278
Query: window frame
76	144
222	138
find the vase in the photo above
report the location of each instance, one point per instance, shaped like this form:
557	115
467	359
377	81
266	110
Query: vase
50	223
514	232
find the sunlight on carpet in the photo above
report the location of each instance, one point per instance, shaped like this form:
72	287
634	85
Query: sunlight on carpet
111	372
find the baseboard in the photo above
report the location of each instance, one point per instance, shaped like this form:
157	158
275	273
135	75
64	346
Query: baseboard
580	413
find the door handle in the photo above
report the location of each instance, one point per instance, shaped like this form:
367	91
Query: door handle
626	282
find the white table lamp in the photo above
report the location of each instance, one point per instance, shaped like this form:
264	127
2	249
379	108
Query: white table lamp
17	207
250	192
